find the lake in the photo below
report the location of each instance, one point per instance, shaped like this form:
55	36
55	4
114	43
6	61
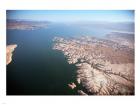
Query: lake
37	69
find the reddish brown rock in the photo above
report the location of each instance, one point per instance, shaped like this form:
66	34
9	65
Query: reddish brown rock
72	85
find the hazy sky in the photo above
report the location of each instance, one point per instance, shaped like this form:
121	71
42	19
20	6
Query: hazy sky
73	15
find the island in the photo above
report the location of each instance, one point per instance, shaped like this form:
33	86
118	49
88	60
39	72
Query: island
9	52
104	67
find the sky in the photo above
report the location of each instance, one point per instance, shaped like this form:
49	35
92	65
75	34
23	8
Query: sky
72	15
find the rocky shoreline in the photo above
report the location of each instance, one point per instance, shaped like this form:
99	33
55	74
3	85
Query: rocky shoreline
9	52
102	67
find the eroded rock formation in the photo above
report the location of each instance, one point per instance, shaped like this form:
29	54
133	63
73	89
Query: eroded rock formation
104	67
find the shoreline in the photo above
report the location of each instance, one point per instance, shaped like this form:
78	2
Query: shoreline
100	68
9	53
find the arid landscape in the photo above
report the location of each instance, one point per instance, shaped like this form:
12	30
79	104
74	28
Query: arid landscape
25	25
70	52
9	52
104	67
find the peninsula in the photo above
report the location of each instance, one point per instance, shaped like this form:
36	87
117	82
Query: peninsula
9	52
104	67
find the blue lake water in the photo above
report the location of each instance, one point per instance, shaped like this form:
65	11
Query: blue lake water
37	69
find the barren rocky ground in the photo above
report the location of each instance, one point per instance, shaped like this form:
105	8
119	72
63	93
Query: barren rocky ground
104	67
9	52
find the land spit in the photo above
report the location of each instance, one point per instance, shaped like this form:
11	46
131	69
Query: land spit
9	52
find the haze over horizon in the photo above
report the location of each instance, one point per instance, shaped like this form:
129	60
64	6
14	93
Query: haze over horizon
72	15
70	52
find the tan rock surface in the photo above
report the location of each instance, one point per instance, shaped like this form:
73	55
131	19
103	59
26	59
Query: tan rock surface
9	52
103	67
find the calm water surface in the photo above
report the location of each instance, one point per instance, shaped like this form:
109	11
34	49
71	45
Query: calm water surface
36	68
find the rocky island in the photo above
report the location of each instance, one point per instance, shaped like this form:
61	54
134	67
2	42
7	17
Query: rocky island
9	52
104	67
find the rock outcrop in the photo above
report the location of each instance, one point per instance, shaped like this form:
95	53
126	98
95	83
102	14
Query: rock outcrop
103	67
9	52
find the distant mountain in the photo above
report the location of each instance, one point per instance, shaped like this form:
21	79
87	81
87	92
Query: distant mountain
26	24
